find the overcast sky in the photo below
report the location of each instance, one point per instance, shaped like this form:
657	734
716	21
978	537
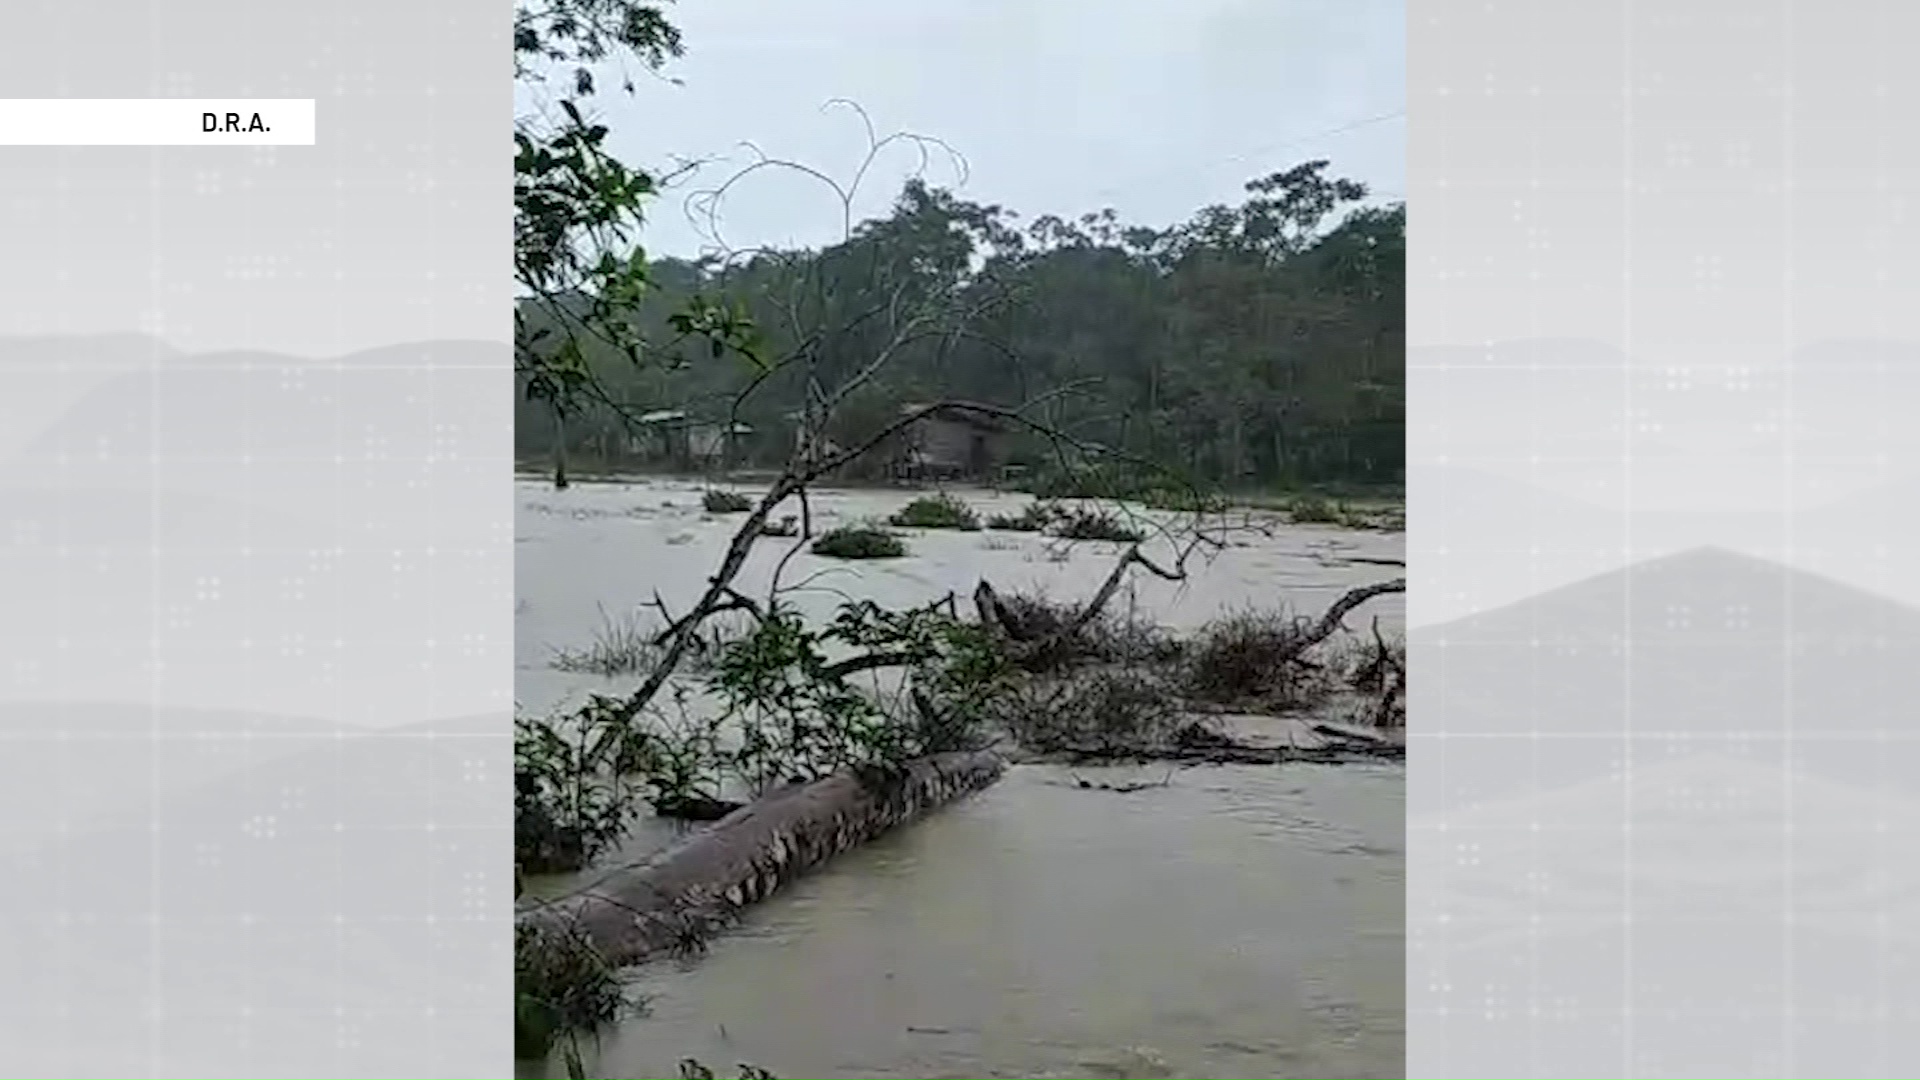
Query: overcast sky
1155	109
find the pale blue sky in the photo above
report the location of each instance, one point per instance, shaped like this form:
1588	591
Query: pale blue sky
1154	108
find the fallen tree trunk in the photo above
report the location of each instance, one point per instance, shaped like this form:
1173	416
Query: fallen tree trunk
673	900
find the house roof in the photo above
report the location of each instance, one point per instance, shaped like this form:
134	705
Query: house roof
957	415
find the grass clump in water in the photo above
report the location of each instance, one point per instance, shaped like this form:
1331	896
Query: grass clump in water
1100	712
859	542
1095	525
619	647
1253	658
941	511
725	502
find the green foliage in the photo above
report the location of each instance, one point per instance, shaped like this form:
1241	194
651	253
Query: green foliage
1315	510
563	988
580	270
787	711
567	808
859	542
573	34
796	721
1094	524
942	511
954	668
798	714
725	502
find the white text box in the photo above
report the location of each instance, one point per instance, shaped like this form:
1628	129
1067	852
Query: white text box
156	121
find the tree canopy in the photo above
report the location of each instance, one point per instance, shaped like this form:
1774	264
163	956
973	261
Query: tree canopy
1257	344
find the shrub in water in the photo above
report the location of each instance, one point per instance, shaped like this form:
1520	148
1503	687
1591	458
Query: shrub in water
941	511
726	502
1252	657
859	542
567	809
1314	510
1097	711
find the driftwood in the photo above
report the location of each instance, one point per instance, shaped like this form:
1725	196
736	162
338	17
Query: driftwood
637	912
1233	753
1353	734
1331	621
1198	744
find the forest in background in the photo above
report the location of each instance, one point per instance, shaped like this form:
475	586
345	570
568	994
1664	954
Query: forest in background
1253	347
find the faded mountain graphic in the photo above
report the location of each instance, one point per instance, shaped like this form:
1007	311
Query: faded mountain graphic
70	765
199	500
1665	780
306	865
237	584
1680	653
1481	540
1478	540
392	431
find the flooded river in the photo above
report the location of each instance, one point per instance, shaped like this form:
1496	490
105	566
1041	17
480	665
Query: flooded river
1234	922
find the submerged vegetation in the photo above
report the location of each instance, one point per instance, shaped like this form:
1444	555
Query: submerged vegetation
942	511
794	701
620	647
859	542
1094	524
716	501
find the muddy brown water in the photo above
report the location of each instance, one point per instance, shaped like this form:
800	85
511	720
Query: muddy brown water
1235	921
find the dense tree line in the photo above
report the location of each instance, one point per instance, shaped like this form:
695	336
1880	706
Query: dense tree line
1257	345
